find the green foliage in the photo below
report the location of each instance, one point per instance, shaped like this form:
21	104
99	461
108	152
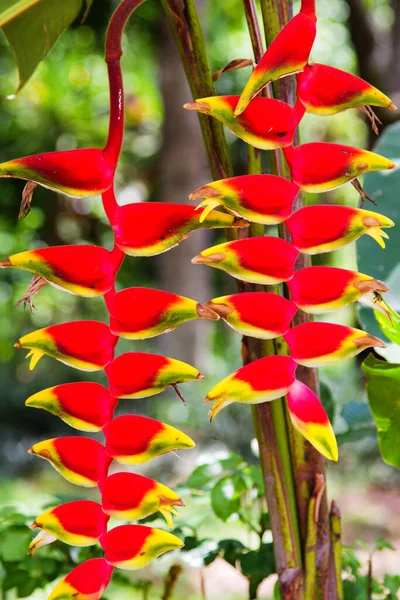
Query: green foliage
383	381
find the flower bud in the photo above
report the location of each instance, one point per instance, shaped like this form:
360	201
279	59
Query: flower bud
80	460
265	199
256	314
265	260
85	345
131	547
79	523
260	381
139	313
86	582
134	440
150	228
84	405
323	228
308	416
317	290
321	344
132	497
265	124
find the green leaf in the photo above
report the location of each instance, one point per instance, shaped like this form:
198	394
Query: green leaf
356	413
259	564
26	587
225	496
390	328
381	544
383	384
355	435
231	551
14	578
327	400
33	26
14	543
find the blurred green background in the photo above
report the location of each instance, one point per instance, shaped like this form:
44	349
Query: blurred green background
65	106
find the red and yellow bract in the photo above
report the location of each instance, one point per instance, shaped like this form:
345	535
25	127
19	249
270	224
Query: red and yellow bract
86	582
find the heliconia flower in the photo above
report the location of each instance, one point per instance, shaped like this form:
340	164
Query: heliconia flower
132	497
265	124
83	270
150	228
321	166
134	440
139	374
321	344
323	228
308	416
256	314
266	199
76	173
84	405
265	260
317	290
139	313
325	90
131	547
260	381
288	53
80	460
85	345
79	523
86	582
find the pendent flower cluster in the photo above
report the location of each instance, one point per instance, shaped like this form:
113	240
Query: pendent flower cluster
147	229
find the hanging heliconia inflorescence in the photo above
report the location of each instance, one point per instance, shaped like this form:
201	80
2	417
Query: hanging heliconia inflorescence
139	313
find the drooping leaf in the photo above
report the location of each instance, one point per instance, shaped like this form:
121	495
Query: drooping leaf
383	381
33	26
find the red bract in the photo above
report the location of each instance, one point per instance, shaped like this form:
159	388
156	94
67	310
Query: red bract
288	53
319	290
86	582
260	381
266	199
85	345
80	460
150	228
79	523
320	344
320	166
82	270
265	260
266	123
308	416
256	314
133	439
133	497
139	374
131	547
323	228
141	313
83	405
72	172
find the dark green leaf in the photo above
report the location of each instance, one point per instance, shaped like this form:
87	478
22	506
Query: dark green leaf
257	565
225	496
14	578
327	400
355	435
231	551
14	543
26	587
383	385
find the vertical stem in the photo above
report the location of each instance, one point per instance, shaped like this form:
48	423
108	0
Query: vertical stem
336	545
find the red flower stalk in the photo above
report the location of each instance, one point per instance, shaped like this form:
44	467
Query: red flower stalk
132	497
134	440
84	405
79	523
265	199
139	374
266	123
323	228
79	460
86	582
82	270
256	314
317	290
150	228
131	547
260	381
324	90
321	344
321	166
265	260
140	313
288	53
85	345
308	416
